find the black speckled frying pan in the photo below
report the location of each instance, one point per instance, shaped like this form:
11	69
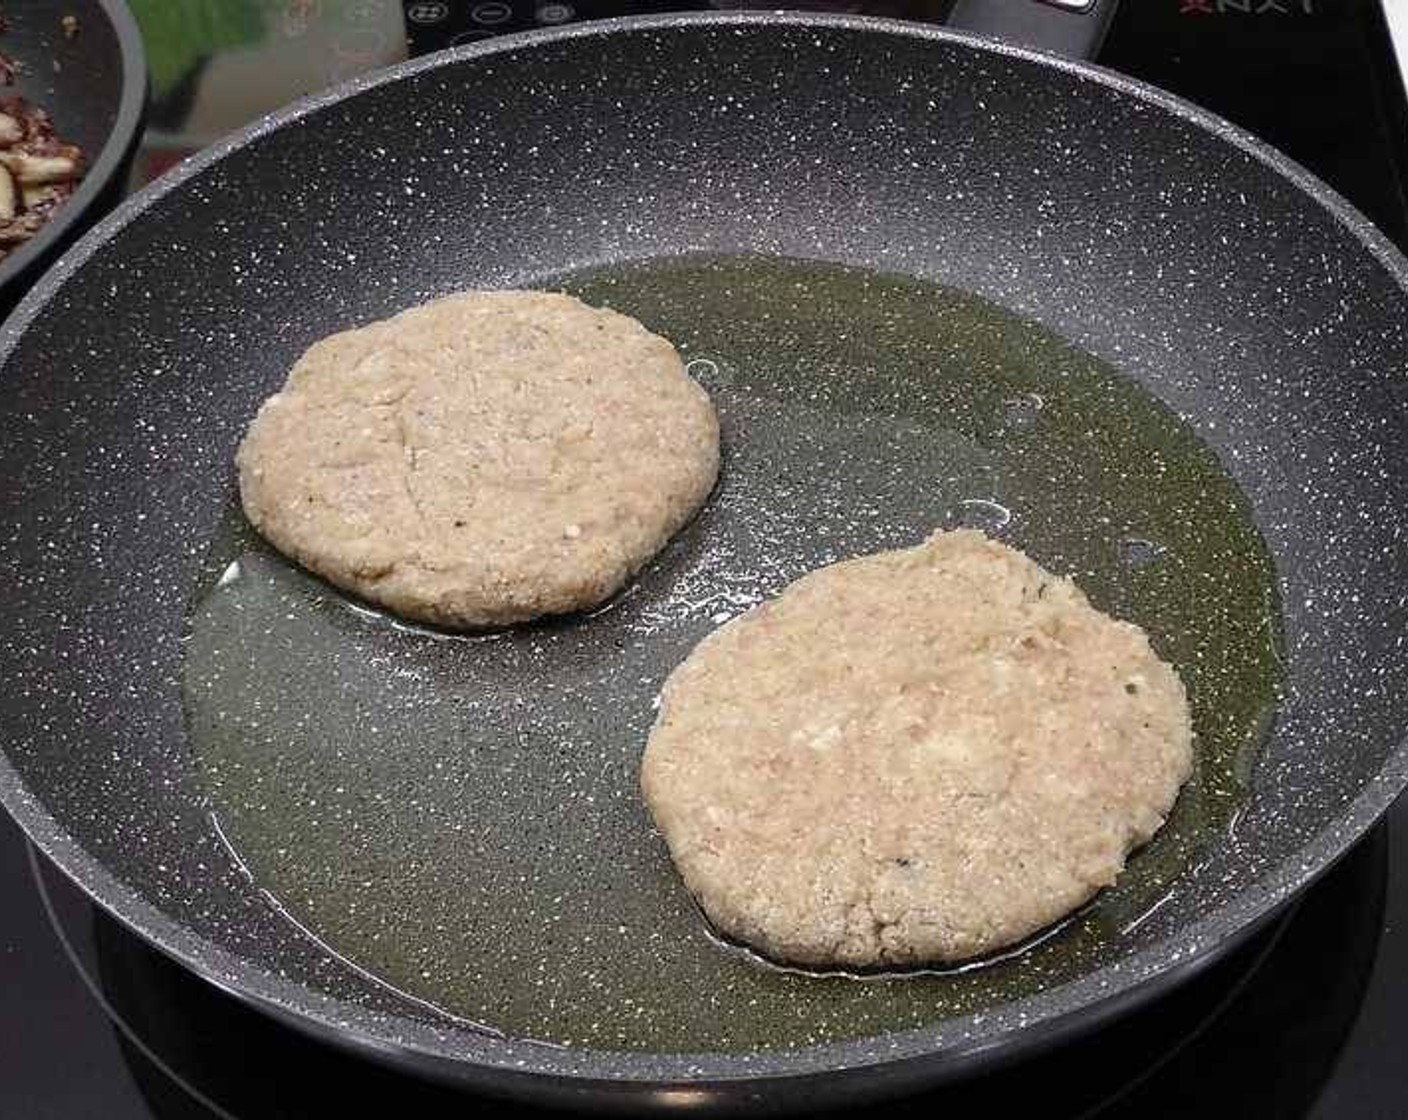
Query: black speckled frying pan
929	281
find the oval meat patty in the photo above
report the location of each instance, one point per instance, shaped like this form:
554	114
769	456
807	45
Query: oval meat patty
482	459
914	757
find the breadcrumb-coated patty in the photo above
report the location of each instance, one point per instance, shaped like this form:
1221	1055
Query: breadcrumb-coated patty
482	459
914	757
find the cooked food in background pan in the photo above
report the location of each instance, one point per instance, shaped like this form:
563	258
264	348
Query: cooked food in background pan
38	169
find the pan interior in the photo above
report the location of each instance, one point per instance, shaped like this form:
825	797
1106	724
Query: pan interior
460	815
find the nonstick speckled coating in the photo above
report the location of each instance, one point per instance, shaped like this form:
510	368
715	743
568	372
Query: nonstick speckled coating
461	814
1240	291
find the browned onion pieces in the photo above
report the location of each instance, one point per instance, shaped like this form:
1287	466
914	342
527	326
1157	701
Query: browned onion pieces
38	171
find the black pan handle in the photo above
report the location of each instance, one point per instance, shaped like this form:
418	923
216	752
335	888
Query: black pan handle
1074	28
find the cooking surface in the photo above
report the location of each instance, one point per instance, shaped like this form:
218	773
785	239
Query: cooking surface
1280	1025
334	742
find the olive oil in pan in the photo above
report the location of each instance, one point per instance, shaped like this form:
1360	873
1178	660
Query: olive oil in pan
460	816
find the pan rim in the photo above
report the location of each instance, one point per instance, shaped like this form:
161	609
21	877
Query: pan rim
944	1050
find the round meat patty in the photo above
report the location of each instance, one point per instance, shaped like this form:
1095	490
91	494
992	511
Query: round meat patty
914	757
482	459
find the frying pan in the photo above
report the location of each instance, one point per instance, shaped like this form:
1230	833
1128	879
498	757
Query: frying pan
929	279
94	85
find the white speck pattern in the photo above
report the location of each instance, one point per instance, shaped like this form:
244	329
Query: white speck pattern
1248	296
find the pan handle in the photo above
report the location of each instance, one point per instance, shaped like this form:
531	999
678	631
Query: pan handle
1074	28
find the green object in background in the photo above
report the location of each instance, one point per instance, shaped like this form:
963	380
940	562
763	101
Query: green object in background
179	33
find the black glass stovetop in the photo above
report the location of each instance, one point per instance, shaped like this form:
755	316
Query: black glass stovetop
1307	1020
